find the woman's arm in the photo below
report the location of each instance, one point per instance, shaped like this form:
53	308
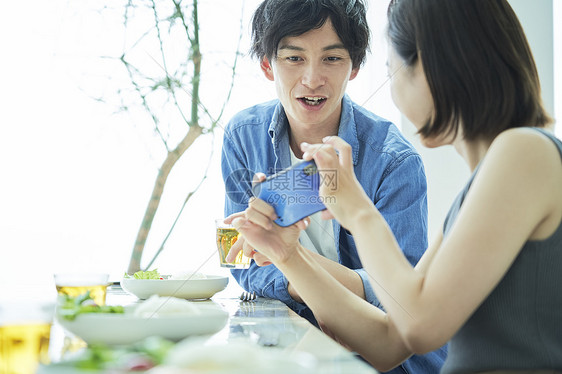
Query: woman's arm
498	216
345	276
356	323
427	305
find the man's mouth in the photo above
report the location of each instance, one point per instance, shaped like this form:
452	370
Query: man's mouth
313	101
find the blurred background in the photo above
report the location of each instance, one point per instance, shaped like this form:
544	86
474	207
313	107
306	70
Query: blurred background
77	170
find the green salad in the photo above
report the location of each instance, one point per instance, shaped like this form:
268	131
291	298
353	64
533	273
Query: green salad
70	307
137	357
151	274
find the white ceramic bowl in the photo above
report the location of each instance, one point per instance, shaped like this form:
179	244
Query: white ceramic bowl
239	357
185	289
116	329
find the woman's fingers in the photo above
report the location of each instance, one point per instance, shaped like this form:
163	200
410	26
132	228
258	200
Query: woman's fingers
258	177
243	245
272	245
303	223
260	213
248	250
235	249
261	259
312	151
332	152
326	214
230	218
342	148
239	223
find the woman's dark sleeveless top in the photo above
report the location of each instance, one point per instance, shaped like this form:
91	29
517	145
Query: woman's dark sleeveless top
519	325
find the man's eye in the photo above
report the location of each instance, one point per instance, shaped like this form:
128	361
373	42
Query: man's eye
293	58
333	59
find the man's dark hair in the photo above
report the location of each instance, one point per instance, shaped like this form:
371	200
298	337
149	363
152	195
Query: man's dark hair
274	20
477	61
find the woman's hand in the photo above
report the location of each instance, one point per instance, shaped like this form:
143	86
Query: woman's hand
259	219
260	232
344	197
242	245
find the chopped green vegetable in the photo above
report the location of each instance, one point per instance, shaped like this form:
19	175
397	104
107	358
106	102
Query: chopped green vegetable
139	356
70	307
151	274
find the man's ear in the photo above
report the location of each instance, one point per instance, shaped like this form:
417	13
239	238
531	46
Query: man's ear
354	73
266	68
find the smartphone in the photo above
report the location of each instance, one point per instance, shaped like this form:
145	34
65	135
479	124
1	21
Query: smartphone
293	192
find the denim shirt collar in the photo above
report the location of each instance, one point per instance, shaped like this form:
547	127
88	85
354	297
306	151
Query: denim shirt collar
348	128
279	132
279	125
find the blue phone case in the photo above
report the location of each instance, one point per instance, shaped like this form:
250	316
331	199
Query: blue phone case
293	192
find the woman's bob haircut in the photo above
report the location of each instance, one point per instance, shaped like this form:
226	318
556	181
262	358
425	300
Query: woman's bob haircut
477	62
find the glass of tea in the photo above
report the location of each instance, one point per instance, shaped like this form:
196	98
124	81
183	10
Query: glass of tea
75	284
25	330
226	237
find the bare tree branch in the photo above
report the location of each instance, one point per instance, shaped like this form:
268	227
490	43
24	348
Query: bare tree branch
189	195
170	84
168	99
154	202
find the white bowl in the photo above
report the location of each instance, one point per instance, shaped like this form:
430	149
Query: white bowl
185	289
238	357
116	329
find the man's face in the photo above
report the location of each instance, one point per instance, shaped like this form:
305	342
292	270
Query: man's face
311	72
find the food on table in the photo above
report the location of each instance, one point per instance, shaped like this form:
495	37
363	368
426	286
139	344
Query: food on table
69	307
152	307
187	275
204	287
150	274
137	357
159	306
200	356
154	274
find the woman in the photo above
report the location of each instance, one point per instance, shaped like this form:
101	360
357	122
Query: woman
463	74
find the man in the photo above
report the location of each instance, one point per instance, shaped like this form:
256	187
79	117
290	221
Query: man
310	49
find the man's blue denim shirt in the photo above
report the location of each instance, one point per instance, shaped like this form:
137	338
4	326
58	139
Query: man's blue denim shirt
387	166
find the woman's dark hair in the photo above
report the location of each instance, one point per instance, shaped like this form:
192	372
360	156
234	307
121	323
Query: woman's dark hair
274	20
477	62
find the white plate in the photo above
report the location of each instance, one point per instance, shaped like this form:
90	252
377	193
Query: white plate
115	329
185	289
236	357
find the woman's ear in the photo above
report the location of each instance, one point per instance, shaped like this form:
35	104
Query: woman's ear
267	69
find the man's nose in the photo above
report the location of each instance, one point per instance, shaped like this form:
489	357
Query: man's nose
313	76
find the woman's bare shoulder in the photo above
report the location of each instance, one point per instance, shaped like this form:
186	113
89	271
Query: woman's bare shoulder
525	148
524	138
528	163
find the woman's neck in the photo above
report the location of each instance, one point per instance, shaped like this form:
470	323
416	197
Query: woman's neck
472	151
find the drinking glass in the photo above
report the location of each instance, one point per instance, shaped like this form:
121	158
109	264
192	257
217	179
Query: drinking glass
75	284
227	235
25	330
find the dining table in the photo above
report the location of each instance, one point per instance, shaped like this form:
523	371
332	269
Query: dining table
265	323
